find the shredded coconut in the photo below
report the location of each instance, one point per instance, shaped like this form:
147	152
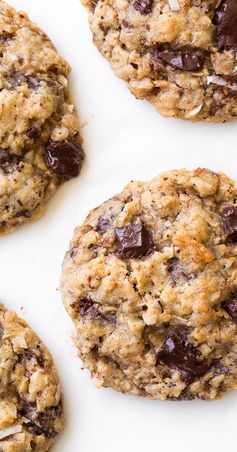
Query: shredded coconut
221	82
174	5
10	431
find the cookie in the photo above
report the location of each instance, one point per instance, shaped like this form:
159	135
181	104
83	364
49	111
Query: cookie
31	407
40	145
150	281
178	54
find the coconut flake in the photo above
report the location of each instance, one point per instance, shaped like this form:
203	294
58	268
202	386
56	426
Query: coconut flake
195	110
221	82
10	431
174	5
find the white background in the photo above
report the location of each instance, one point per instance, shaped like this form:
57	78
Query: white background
124	139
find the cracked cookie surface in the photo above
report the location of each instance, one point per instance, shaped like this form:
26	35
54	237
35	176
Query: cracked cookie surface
31	407
178	54
150	281
40	145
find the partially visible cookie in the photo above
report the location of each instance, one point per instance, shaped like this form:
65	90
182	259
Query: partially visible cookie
150	282
178	54
40	144
31	407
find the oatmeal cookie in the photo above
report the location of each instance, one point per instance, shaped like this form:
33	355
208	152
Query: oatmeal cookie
31	409
40	145
178	54
150	281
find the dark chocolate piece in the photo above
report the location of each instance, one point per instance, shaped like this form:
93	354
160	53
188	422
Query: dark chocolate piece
186	61
230	306
64	158
229	220
133	241
33	133
143	6
225	19
177	354
102	225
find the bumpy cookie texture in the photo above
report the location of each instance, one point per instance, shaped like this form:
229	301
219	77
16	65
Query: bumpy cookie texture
178	54
40	145
150	281
31	409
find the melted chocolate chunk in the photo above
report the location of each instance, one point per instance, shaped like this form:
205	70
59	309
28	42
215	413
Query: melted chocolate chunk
40	423
179	355
229	220
186	61
1	333
23	213
43	425
32	82
143	6
220	369
133	241
90	310
31	355
230	306
225	20
64	158
33	133
7	160
87	308
5	36
126	24
102	225
176	271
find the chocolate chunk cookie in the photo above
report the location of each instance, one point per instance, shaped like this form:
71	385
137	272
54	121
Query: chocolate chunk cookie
178	54
40	145
31	408
150	282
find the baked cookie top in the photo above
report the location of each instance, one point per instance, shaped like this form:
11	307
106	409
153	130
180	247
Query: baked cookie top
40	145
178	54
150	283
31	410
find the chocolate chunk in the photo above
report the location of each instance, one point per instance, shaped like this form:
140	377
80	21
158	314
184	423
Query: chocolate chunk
230	306
64	158
133	241
143	6
90	310
186	61
33	133
177	272
102	225
40	423
177	354
220	369
32	82
229	220
7	159
225	19
5	36
1	333
31	355
126	24
23	213
87	308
